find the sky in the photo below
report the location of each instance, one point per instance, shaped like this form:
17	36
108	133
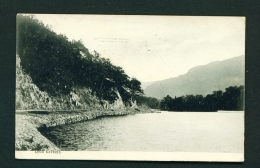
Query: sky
152	48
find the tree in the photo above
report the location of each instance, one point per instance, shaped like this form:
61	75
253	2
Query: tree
56	65
135	88
148	101
165	103
231	99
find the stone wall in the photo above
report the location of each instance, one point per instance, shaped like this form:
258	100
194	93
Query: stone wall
30	124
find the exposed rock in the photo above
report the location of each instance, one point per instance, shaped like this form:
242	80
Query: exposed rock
54	111
28	96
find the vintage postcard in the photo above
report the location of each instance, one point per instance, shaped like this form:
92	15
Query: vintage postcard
130	87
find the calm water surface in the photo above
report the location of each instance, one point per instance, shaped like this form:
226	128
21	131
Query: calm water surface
165	132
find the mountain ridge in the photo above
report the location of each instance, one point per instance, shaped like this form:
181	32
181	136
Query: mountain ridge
202	79
144	85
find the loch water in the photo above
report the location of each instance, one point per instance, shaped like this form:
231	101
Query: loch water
155	132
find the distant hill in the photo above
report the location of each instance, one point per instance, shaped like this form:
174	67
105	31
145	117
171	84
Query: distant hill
144	85
201	79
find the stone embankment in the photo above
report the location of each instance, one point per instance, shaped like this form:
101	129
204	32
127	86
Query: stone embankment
29	124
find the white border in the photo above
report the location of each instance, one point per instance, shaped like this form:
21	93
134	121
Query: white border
136	156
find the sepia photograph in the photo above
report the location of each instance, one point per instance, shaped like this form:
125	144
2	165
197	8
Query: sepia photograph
130	87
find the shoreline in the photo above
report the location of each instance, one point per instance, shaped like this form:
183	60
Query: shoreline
30	124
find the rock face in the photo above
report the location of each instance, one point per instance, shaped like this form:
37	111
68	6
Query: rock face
28	96
201	80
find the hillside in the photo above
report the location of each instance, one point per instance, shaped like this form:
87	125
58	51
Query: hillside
144	85
201	80
55	73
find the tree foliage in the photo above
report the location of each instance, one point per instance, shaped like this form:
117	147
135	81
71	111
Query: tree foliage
56	65
231	99
148	101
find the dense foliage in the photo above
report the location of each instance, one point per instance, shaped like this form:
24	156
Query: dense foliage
148	101
57	65
231	99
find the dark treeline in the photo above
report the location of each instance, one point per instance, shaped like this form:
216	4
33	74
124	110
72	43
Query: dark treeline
231	99
56	65
148	101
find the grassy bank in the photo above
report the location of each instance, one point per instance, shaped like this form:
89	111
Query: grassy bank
29	124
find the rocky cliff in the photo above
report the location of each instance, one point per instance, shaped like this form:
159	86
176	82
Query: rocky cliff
30	97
